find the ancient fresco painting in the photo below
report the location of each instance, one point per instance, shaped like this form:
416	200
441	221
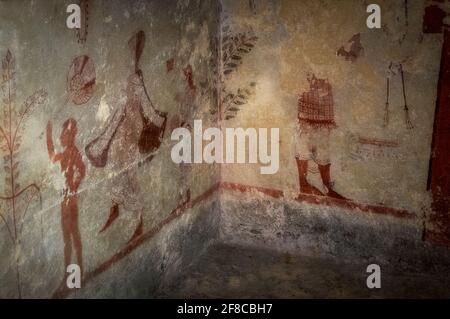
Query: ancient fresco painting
74	171
186	112
18	197
82	32
134	132
81	80
438	221
352	50
316	120
363	148
395	70
233	47
135	128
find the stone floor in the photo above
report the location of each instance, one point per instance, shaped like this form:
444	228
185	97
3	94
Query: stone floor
226	271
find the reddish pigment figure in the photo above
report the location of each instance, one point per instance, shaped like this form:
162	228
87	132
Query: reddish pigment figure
352	50
189	77
186	111
74	171
170	64
182	118
136	127
316	119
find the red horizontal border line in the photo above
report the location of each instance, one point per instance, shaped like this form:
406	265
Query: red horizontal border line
174	214
376	142
375	209
322	200
275	193
181	209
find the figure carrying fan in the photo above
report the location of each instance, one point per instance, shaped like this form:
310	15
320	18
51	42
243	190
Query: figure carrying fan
136	127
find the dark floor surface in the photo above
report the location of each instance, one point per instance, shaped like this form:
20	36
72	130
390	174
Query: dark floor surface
226	271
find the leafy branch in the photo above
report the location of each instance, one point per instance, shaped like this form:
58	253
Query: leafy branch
228	52
233	102
235	47
11	133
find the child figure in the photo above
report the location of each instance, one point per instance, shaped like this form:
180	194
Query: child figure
74	171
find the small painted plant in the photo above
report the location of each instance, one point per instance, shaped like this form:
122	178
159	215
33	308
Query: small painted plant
229	50
12	120
232	102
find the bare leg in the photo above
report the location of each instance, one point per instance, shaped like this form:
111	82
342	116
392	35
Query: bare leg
305	187
76	236
65	223
326	179
139	229
113	214
66	229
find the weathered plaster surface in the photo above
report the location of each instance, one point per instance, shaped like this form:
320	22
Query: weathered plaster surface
36	34
297	37
194	213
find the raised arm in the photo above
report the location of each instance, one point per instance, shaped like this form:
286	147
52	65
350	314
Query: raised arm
50	147
147	108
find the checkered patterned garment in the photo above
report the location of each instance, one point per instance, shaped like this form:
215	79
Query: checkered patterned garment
315	107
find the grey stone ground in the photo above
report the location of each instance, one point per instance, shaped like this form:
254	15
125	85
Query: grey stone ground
278	249
227	271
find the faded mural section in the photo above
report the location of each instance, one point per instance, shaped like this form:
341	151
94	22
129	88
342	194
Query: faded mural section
86	123
355	105
86	118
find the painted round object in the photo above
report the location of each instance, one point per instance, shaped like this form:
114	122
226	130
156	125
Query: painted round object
81	80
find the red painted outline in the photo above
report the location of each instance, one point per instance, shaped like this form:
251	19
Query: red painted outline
122	253
378	142
322	200
182	209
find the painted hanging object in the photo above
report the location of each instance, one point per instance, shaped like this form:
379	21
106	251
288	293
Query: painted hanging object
83	30
393	68
81	80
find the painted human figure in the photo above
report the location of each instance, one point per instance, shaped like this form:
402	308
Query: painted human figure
136	128
74	171
187	109
315	122
183	118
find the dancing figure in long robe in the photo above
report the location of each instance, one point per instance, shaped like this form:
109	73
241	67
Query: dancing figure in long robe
136	128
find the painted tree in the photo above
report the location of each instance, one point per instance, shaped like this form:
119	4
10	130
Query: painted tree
230	49
12	119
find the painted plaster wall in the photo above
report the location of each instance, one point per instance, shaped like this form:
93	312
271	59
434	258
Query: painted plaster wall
293	38
35	32
332	233
300	37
